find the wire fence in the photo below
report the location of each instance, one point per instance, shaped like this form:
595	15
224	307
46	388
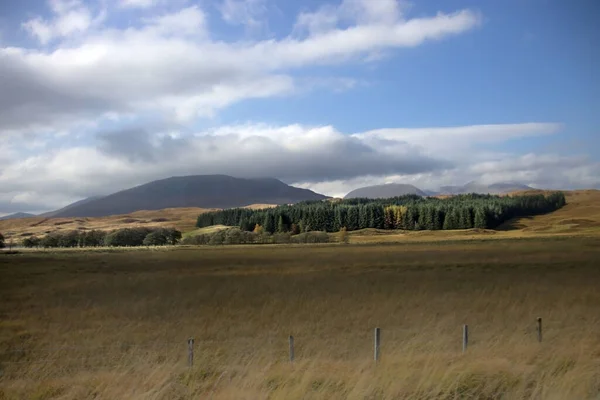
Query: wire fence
276	346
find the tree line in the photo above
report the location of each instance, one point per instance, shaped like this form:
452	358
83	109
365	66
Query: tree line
126	237
409	212
237	236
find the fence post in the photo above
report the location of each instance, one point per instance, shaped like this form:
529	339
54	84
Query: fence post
291	338
191	352
377	343
539	329
465	340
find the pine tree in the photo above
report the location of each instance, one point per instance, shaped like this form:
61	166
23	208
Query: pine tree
281	227
269	223
409	221
480	218
352	218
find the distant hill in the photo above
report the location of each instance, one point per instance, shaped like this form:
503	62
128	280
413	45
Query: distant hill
385	191
17	215
206	191
63	210
475	187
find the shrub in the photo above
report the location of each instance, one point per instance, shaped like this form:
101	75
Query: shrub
50	240
127	237
68	239
93	238
156	238
311	237
32	241
282	238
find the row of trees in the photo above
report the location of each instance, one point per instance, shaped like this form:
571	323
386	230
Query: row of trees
407	212
126	237
238	236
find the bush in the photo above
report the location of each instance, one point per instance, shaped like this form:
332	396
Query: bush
68	239
311	237
50	240
1	241
31	242
127	237
282	238
156	238
93	238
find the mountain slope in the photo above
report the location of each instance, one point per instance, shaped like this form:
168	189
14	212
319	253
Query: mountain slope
206	191
476	187
61	211
17	215
384	191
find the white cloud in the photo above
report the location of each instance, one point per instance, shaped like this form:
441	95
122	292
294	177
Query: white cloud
70	17
243	12
187	21
317	157
170	66
361	12
138	3
439	139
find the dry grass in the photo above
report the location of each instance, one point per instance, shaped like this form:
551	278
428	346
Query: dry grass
114	325
580	217
183	219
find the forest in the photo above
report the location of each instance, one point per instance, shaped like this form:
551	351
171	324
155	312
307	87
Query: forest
409	212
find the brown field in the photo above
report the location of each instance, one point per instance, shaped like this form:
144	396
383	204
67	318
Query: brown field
183	219
114	325
580	217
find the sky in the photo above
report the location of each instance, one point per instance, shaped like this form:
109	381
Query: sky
97	96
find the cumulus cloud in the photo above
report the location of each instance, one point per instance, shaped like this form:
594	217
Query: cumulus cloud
70	17
169	64
317	157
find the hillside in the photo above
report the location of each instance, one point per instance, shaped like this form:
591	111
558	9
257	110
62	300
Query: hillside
384	191
203	191
65	209
16	216
476	187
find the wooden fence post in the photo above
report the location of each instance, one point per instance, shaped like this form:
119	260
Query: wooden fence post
191	352
465	338
377	343
539	329
291	338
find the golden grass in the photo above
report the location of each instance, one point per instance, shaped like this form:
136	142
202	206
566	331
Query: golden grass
205	230
78	325
580	217
183	219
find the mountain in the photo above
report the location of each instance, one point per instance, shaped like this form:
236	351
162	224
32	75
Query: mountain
476	187
17	215
384	191
206	191
63	210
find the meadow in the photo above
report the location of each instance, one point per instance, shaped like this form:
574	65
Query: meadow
114	324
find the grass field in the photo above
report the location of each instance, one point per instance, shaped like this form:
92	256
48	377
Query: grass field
580	217
114	325
183	219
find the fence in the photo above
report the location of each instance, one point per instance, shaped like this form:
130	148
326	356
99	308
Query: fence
377	343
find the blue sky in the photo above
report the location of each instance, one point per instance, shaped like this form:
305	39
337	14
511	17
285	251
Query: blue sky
329	95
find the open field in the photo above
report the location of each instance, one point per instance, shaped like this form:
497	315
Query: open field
114	325
580	217
183	219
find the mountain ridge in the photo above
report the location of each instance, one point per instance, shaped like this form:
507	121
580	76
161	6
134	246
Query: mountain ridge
399	189
385	191
204	191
